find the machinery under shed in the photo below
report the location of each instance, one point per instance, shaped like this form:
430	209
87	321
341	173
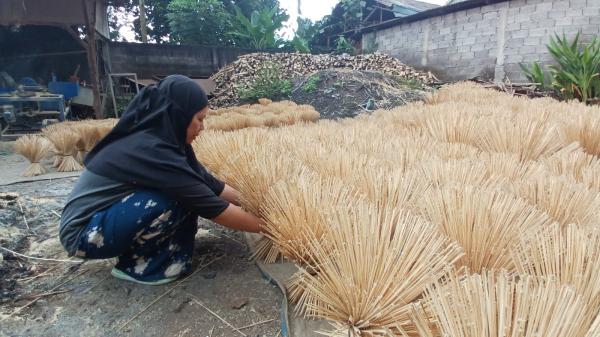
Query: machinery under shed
50	62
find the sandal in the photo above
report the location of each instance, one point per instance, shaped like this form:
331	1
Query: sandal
123	276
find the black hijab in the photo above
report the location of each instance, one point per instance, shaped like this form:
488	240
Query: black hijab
147	147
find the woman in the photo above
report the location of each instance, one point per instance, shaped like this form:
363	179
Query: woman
143	189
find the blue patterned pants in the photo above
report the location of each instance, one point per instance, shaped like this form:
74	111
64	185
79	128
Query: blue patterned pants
151	235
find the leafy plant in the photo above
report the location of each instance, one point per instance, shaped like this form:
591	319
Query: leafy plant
343	46
260	30
409	82
311	83
300	45
577	73
269	83
535	74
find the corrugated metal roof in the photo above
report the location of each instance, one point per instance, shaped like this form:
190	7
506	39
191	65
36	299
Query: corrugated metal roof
418	6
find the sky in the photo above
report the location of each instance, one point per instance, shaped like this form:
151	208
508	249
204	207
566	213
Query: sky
311	9
315	10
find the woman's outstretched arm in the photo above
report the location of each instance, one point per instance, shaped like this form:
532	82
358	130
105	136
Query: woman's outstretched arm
230	194
236	218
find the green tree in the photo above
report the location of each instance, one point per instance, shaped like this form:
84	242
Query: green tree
159	22
203	22
156	19
249	6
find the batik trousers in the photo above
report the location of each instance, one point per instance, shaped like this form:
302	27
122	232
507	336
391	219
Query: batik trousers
151	236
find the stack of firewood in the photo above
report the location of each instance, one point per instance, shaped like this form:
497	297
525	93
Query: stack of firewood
243	72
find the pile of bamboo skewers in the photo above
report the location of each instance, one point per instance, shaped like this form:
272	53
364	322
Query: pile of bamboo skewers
65	144
68	142
266	113
473	214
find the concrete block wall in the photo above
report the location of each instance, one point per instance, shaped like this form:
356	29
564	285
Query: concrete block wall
148	60
488	41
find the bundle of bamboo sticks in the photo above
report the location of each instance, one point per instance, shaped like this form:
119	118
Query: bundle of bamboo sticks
266	113
396	219
68	142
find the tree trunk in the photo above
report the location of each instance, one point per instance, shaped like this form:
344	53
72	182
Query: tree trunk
143	30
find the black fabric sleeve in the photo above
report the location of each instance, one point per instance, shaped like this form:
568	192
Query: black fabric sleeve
216	185
199	199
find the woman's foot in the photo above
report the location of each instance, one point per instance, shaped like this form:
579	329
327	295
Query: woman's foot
123	276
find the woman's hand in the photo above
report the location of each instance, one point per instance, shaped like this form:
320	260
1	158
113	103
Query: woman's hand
236	218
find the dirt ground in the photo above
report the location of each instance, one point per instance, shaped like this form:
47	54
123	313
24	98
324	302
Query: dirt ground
339	93
46	298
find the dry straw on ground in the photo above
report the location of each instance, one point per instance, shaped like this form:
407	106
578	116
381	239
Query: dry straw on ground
34	148
363	206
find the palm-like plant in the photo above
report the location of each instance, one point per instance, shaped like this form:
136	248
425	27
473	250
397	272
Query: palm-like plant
577	74
260	30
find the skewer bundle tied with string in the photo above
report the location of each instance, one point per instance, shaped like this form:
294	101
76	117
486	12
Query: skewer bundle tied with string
64	138
34	148
89	135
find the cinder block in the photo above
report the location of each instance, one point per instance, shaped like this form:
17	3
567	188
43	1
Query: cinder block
482	54
490	16
578	3
528	25
513	11
532	41
527	9
543	7
576	12
477	47
582	21
556	13
594	20
517	58
561	4
473	11
491	44
564	21
475	18
445	31
527	50
518	34
467	55
538	32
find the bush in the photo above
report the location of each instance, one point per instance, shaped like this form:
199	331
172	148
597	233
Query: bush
535	74
311	83
577	74
269	83
343	46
